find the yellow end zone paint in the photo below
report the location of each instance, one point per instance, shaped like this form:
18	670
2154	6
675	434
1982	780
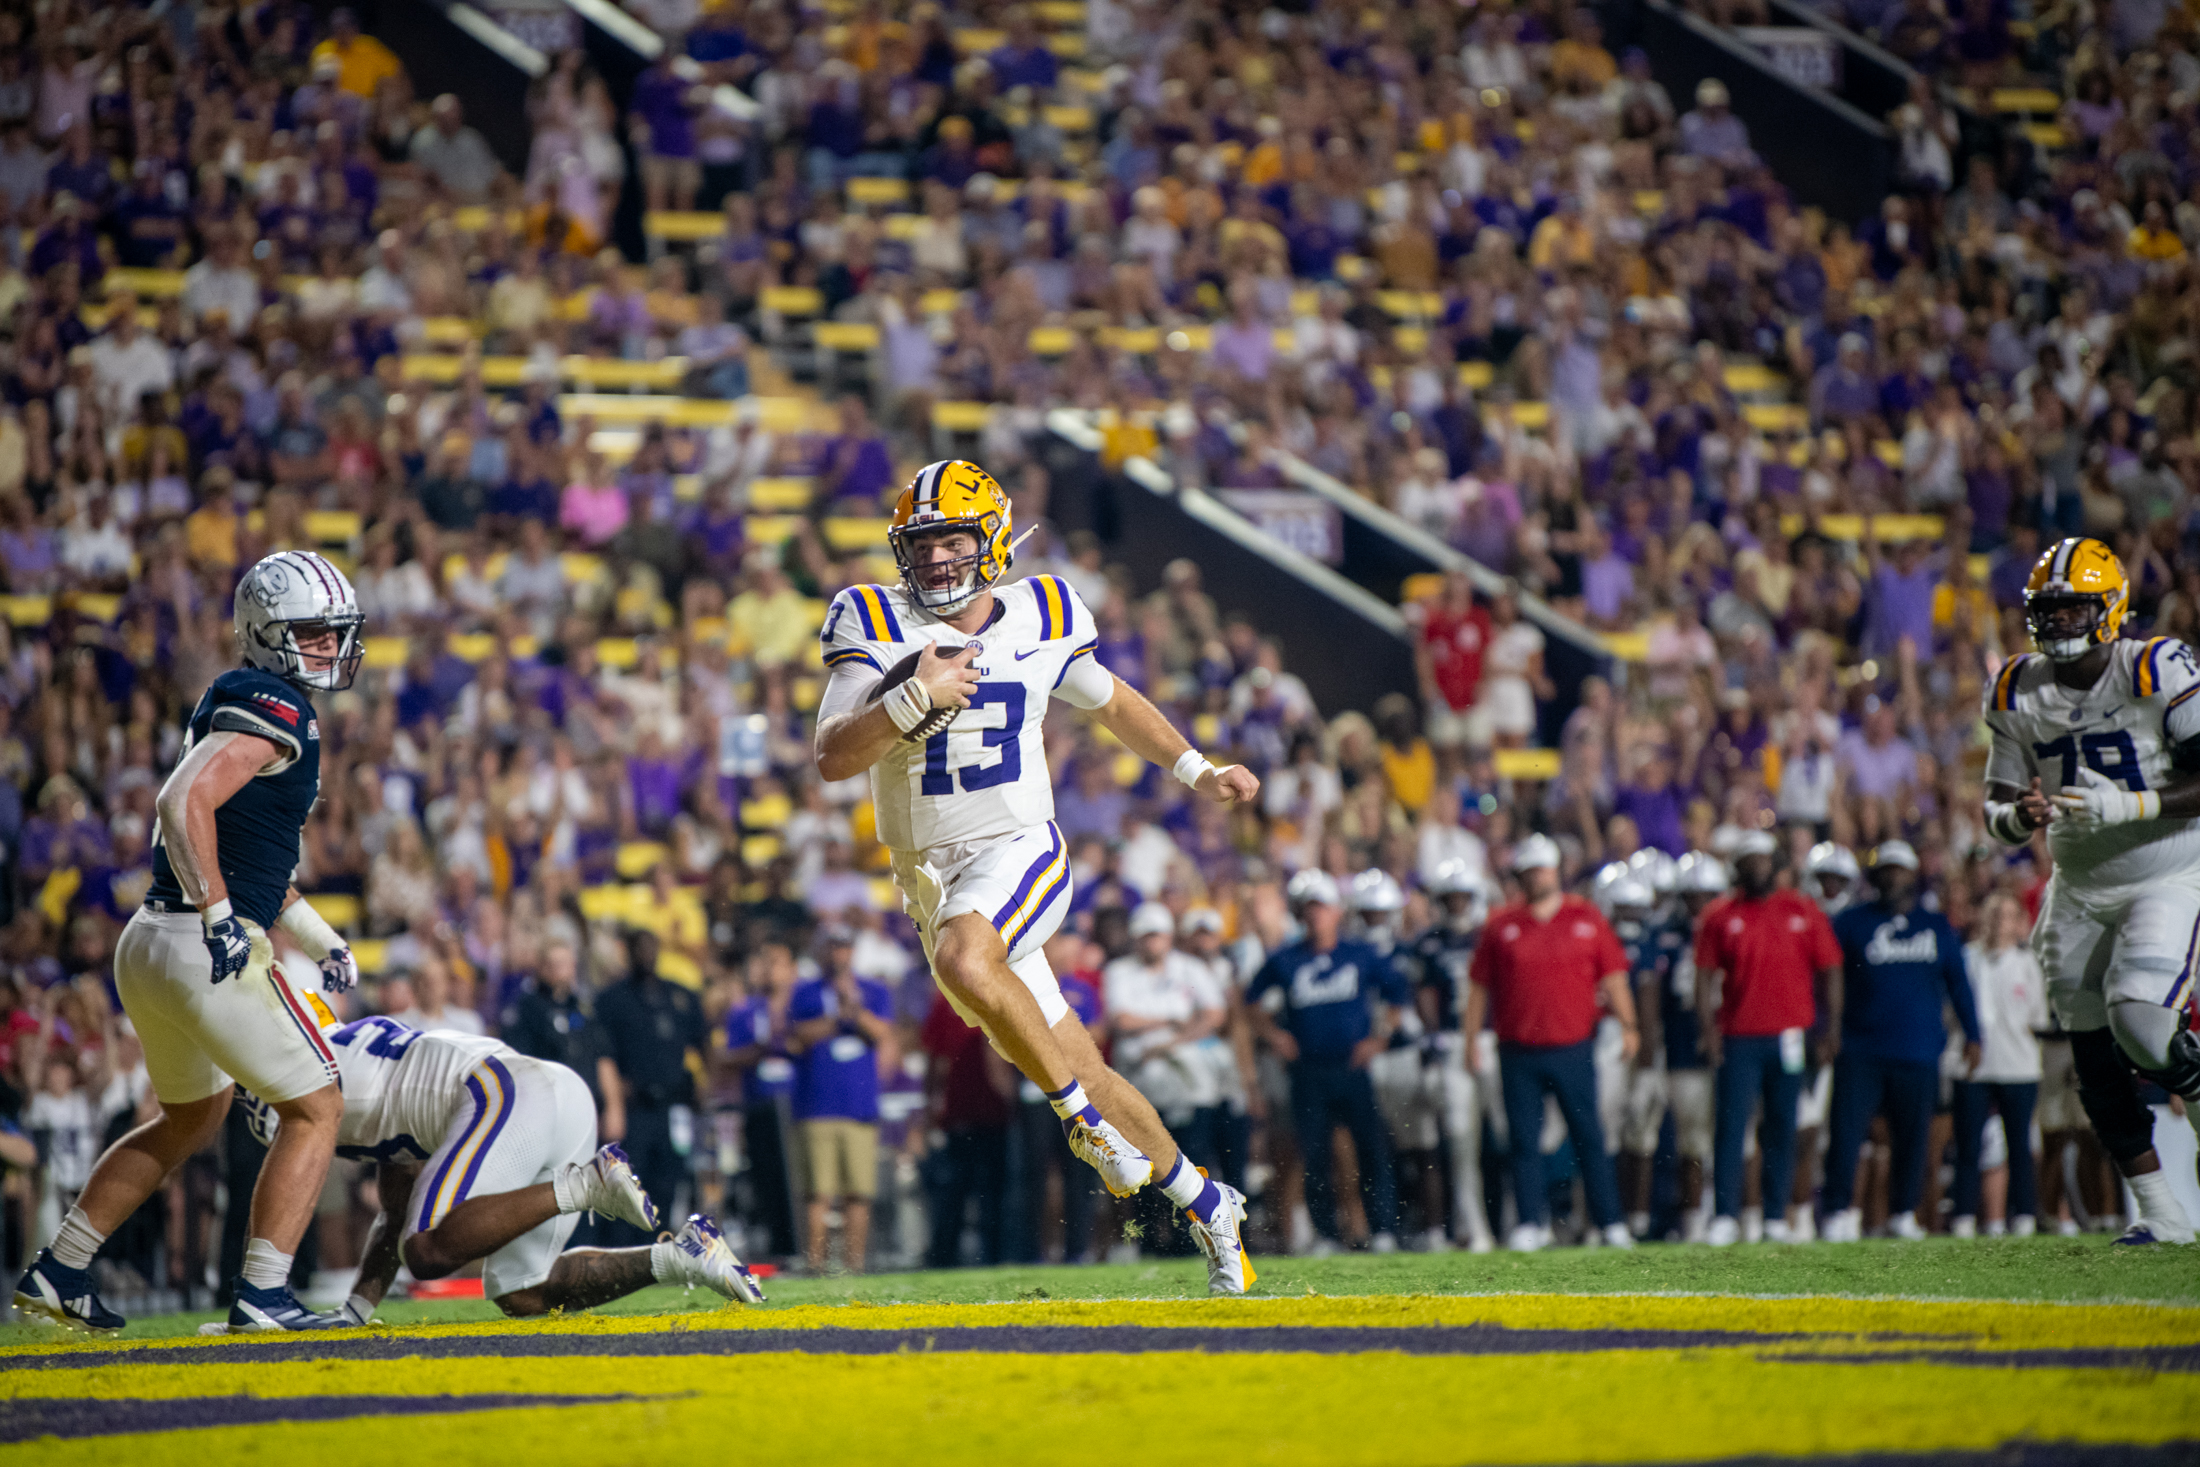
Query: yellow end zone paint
913	1410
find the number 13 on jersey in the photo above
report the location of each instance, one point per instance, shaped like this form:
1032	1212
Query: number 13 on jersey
996	745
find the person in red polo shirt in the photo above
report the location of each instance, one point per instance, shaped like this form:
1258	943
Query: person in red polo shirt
1757	954
1455	633
1537	975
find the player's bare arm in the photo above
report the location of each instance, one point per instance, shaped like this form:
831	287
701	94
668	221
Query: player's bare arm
850	743
378	1261
1148	734
203	781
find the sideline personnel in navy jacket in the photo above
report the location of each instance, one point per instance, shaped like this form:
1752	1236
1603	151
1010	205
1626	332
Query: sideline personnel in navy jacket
1900	967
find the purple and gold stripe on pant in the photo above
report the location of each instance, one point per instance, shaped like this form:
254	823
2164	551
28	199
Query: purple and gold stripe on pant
1047	877
493	1094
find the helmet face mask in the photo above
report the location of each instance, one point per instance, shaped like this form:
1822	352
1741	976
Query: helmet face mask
293	599
2075	599
952	497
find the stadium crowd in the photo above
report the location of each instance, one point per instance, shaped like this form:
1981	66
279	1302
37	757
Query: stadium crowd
1473	264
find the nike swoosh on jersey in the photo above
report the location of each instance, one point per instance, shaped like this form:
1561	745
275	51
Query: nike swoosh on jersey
1032	653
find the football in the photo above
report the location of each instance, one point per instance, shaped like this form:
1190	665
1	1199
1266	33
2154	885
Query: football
900	673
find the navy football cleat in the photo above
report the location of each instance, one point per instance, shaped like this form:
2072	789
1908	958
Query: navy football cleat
256	1310
61	1295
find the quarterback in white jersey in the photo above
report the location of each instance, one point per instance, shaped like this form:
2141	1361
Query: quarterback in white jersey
2096	740
484	1153
939	687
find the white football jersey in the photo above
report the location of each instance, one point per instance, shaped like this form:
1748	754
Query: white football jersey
2123	727
985	775
403	1088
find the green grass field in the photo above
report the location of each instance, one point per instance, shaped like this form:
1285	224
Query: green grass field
2065	1270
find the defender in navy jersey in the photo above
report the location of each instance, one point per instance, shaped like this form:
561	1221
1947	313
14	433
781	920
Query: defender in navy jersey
196	971
1436	964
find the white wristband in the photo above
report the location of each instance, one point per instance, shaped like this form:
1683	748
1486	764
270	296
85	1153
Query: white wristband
1190	765
310	928
213	913
2006	824
908	704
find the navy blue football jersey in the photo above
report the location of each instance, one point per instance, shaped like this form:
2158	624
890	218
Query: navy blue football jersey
259	826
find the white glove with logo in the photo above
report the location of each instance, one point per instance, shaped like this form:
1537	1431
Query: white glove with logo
2097	800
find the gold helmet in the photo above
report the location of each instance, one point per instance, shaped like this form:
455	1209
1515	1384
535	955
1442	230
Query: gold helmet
953	494
2075	574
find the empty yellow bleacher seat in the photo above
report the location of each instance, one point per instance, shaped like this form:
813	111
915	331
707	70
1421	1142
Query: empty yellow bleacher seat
580	567
766	812
2026	99
334	526
637	858
792	300
1527	763
27	611
1776	417
686	226
845	335
157	284
864	193
618	652
940	302
771	529
845	535
664	375
1139	340
760	850
1752	377
372	955
1421	587
677	412
1412	340
1061	14
976	42
1477	376
1069	119
961	417
1051	341
1888	527
780	496
449	331
384	653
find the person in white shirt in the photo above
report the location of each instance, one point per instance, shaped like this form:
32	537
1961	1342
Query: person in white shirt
222	282
128	362
2012	1011
1162	1004
431	1011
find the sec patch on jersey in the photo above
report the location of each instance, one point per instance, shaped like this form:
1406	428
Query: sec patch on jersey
900	673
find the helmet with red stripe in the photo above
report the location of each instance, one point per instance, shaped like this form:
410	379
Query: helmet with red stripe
298	618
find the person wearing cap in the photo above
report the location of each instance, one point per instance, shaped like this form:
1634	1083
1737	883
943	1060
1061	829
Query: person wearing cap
1542	965
840	1030
1901	964
1711	131
1162	1005
1758	957
1229	1053
1327	1007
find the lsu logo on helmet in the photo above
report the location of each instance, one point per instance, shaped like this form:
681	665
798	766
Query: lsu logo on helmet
951	495
2075	574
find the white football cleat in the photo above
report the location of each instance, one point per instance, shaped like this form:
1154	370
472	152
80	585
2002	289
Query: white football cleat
1123	1168
1383	1243
1964	1227
605	1185
1221	1241
1845	1226
1724	1232
1529	1238
1906	1227
1616	1235
1777	1231
702	1256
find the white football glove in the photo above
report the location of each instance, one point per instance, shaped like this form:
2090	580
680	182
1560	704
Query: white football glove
339	971
2097	800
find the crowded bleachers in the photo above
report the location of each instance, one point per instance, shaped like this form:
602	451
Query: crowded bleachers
1478	266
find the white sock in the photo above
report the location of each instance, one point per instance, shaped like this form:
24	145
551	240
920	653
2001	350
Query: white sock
664	1262
264	1268
78	1240
562	1187
1184	1183
1072	1104
2157	1202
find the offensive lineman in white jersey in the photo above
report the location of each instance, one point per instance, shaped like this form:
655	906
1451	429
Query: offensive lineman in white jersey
939	687
2098	742
484	1153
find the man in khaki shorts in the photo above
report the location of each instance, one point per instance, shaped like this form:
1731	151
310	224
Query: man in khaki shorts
841	1029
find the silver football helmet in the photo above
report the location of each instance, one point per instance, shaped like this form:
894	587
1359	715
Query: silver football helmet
1376	893
1455	878
293	595
1831	876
